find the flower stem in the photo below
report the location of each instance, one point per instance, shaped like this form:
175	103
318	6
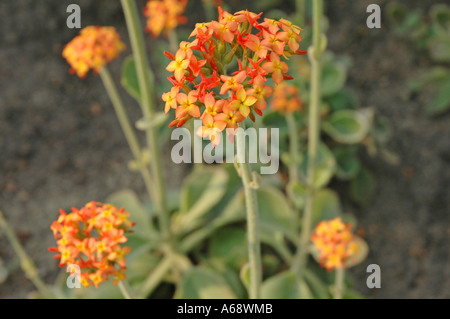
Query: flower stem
146	84
125	289
25	261
300	260
155	277
339	283
173	41
300	12
126	127
293	148
254	249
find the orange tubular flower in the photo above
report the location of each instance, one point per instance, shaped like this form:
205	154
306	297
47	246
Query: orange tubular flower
335	243
229	98
91	238
164	15
286	98
93	48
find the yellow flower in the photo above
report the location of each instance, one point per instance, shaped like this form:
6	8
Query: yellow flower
335	243
93	48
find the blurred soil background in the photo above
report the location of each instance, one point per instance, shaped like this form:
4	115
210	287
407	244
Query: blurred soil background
61	144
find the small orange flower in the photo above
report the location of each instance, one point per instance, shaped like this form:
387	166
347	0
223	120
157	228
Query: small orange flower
91	238
335	243
286	98
93	48
164	15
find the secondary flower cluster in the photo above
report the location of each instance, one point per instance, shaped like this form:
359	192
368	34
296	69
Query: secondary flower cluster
91	238
93	48
164	15
286	98
203	89
335	242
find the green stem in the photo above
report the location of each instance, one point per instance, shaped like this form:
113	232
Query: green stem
155	277
300	259
300	17
126	127
293	148
125	289
254	249
339	283
26	263
173	41
146	84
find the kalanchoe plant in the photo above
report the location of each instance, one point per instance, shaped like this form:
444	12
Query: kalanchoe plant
164	15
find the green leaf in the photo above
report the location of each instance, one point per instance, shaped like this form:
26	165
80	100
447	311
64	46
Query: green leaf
347	126
333	79
428	77
440	15
274	119
440	48
203	283
325	166
318	288
129	78
441	103
342	100
362	188
326	206
129	200
230	245
348	164
158	120
275	213
285	286
201	191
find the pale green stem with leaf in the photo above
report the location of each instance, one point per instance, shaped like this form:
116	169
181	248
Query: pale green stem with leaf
315	54
155	277
146	85
251	204
125	289
339	283
127	128
26	263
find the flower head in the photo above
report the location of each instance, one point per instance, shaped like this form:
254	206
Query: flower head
335	243
164	15
91	238
286	98
229	96
93	48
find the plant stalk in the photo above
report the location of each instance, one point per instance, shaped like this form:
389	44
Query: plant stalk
293	148
26	262
300	17
339	283
300	260
146	84
126	127
251	204
155	277
125	289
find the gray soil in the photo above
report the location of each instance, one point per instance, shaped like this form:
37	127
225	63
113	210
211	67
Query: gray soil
61	146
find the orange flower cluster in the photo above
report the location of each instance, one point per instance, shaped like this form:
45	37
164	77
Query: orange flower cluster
286	98
164	15
335	242
199	69
93	48
91	238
